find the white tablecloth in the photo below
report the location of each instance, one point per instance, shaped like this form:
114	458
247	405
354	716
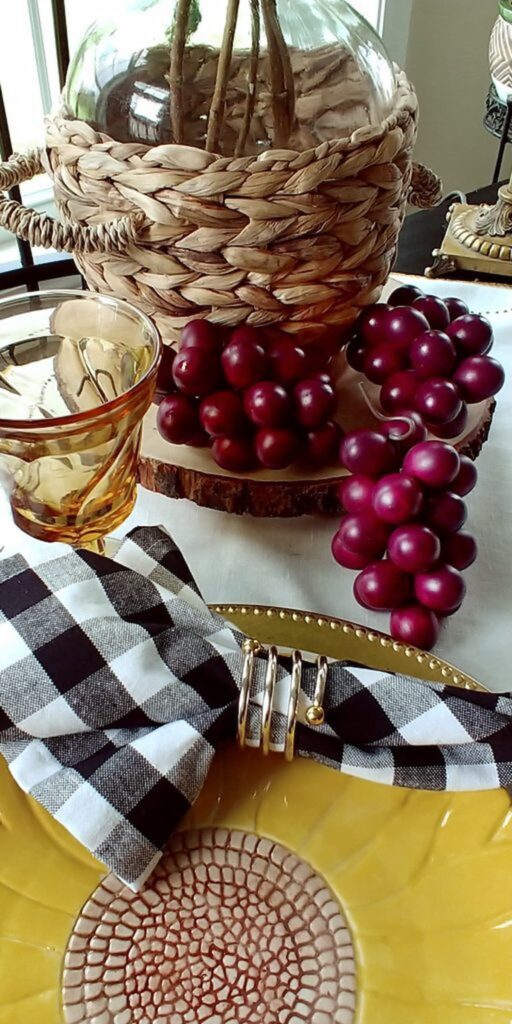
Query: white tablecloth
288	562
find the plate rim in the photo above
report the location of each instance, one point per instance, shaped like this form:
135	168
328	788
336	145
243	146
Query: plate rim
451	675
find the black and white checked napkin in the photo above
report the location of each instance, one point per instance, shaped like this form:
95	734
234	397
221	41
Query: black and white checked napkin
117	686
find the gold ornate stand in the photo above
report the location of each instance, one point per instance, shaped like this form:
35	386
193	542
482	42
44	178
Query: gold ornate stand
478	238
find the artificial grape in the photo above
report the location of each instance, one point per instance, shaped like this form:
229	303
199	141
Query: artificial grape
355	493
364	534
347	335
405	429
460	550
438	400
234	453
401	325
456	308
276	447
446	513
348	559
433	354
200	334
200	439
415	625
399	391
434	310
367	452
244	361
433	463
315	403
164	381
222	414
356	354
332	341
478	378
397	498
414	548
267	404
322	445
382	586
247	335
472	335
453	429
321	352
196	372
466	479
405	295
177	419
442	589
287	360
382	361
323	376
369	325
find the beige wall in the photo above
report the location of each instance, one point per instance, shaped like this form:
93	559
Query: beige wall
447	59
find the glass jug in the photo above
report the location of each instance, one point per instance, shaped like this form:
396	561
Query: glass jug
231	76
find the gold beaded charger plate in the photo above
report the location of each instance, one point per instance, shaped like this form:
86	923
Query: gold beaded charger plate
291	894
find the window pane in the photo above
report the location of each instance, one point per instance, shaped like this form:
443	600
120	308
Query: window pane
369	8
20	84
46	19
81	15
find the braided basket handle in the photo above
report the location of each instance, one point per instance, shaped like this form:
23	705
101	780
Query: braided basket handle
41	229
115	236
426	187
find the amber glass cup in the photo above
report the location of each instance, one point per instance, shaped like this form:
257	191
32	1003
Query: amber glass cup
77	374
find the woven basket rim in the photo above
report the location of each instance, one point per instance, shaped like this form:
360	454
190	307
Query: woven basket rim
406	105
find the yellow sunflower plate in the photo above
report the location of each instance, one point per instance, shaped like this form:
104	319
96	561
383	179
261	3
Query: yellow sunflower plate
291	895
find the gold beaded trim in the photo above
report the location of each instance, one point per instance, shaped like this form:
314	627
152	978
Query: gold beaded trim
430	666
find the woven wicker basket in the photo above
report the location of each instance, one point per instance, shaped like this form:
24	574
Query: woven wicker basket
297	240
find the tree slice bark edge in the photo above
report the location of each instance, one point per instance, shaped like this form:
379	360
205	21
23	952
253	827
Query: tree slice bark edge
263	498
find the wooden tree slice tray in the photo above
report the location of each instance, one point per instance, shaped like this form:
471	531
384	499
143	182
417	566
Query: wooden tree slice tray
179	471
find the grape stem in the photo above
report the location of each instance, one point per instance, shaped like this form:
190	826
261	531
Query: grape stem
175	77
411	426
252	87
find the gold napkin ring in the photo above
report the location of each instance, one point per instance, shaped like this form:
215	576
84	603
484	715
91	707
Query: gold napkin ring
315	715
250	649
268	700
291	718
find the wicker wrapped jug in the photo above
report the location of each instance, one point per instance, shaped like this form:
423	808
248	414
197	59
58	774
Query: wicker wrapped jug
251	162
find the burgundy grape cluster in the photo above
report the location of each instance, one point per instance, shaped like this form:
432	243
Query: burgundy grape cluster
403	529
256	399
429	356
